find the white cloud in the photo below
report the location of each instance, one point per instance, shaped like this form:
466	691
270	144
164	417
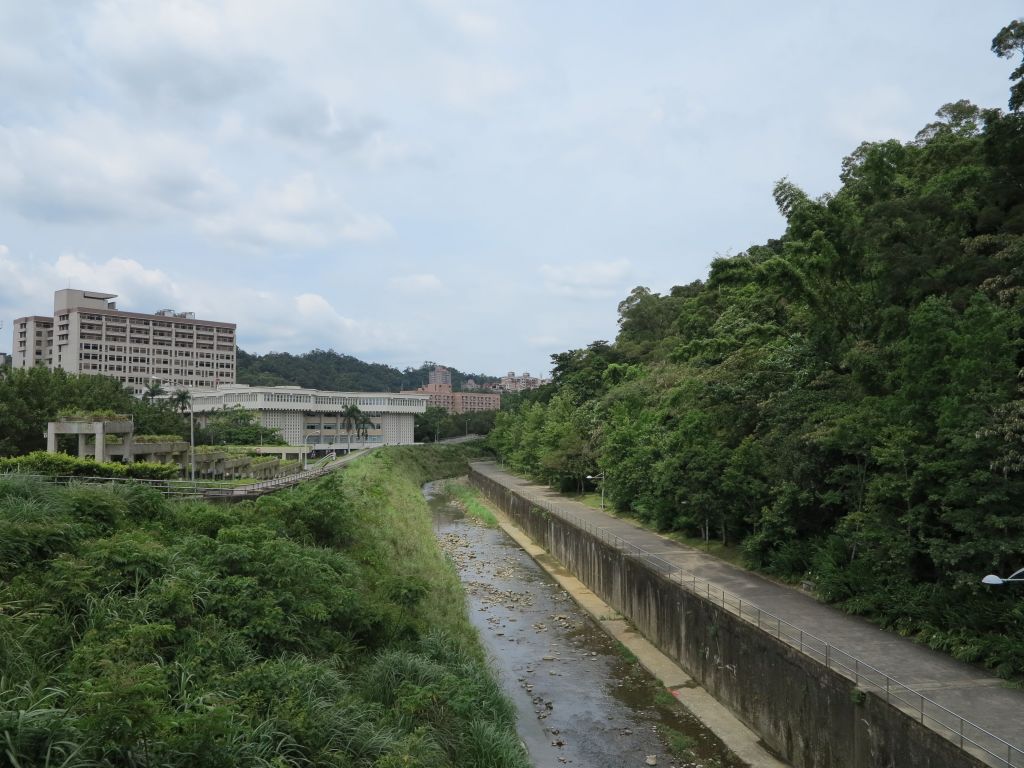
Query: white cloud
300	212
869	114
91	166
27	285
544	342
586	280
417	284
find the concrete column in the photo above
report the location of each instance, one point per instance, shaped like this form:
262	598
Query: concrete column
51	437
81	445
101	441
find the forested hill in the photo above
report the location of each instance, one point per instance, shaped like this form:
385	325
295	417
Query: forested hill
843	402
327	369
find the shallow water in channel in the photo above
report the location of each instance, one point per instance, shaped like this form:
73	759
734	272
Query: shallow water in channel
581	701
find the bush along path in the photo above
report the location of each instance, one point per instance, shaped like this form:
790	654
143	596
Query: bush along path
318	626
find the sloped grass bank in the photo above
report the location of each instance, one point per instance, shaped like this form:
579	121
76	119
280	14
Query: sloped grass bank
315	627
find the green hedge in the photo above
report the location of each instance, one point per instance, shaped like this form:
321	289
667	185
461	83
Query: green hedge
159	439
43	463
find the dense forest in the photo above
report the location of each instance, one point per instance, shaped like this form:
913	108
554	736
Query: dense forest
317	626
843	402
327	369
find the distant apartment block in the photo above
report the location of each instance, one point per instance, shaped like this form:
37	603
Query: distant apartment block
88	334
514	383
439	375
442	396
3	359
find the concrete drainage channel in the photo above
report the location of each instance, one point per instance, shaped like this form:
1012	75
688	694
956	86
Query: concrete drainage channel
579	675
809	712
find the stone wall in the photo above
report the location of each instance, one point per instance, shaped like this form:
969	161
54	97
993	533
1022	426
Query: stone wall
808	714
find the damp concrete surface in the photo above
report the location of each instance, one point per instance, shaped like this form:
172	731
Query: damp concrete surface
581	698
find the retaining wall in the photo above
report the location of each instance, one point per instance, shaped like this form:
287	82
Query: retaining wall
808	714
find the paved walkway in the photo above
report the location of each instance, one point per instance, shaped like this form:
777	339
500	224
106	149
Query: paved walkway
971	693
255	490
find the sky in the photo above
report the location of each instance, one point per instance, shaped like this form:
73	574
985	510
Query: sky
473	183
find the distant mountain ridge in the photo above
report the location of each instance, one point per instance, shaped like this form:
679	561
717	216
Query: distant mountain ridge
327	369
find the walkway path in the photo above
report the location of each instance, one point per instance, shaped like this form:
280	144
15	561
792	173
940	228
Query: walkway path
967	691
254	490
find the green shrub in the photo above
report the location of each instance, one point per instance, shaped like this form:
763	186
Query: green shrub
300	629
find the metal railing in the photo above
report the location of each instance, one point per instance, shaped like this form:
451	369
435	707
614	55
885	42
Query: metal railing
968	735
189	488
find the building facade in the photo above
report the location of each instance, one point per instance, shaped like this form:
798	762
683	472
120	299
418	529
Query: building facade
442	396
514	383
314	418
439	375
33	342
88	334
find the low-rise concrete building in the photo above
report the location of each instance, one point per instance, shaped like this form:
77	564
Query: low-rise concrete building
315	419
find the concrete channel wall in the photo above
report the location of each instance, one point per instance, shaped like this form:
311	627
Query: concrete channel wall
808	714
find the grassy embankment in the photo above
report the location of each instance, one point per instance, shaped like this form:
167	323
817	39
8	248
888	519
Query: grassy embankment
317	626
471	501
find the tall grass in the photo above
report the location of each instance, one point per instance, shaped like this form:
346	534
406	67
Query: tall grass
471	501
317	626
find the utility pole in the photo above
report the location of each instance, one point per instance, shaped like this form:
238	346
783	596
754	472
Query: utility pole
192	437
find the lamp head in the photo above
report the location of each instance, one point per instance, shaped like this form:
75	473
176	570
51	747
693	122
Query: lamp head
992	579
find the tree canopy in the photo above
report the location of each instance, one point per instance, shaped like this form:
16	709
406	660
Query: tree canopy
30	397
327	369
843	402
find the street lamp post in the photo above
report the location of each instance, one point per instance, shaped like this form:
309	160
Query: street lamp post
599	476
192	438
1015	577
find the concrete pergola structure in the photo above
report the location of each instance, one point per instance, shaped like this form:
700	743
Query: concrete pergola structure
98	429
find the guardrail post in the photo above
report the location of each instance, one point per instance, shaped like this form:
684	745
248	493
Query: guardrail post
827	646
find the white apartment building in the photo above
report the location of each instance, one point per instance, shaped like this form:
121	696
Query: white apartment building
88	334
33	342
313	417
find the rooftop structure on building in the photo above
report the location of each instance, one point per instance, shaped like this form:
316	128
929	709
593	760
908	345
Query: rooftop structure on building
88	334
316	418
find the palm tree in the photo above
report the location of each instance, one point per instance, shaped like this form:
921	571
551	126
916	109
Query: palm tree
182	401
350	418
363	427
154	389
